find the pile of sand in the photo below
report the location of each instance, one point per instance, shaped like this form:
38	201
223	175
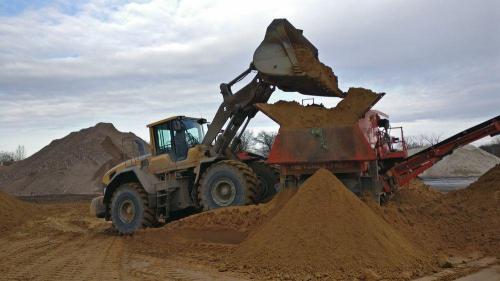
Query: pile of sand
467	161
237	218
476	211
13	211
458	222
347	112
482	194
229	225
74	164
325	229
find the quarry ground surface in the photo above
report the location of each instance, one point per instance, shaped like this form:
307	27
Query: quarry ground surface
59	241
421	234
67	244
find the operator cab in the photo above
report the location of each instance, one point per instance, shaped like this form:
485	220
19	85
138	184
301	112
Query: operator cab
176	135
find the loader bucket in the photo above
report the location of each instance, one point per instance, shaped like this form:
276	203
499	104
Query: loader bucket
288	60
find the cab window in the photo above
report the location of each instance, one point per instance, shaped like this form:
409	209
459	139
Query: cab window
194	132
163	138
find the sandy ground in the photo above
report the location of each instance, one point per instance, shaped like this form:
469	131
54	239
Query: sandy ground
62	242
67	244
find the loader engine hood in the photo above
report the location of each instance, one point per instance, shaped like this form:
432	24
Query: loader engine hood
106	179
286	59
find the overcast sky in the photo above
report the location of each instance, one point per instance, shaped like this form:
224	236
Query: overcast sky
66	65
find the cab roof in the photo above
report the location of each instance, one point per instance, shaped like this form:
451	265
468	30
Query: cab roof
171	118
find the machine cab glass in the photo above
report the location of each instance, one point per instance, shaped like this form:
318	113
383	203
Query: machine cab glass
175	137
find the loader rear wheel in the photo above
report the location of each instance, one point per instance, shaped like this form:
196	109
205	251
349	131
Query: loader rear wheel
268	178
227	183
130	210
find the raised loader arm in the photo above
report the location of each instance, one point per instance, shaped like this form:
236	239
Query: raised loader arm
285	59
236	109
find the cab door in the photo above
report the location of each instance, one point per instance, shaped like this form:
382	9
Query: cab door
177	144
188	136
164	153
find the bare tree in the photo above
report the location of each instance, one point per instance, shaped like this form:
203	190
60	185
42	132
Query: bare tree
414	142
265	140
20	153
6	156
432	139
422	140
493	147
247	141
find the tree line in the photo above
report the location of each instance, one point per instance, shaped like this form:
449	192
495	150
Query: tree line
422	140
9	157
493	147
259	142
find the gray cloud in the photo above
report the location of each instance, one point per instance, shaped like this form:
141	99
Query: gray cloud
132	63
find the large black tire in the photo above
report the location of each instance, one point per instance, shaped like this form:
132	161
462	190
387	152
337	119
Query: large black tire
130	210
268	178
227	183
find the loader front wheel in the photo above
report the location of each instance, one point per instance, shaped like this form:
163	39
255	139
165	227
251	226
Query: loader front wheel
129	209
227	183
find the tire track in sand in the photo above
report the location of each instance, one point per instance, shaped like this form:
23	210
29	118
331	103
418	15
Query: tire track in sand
22	265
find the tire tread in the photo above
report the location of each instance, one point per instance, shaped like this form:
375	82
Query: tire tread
251	181
148	218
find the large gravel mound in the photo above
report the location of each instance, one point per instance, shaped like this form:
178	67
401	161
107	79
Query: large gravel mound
467	161
74	164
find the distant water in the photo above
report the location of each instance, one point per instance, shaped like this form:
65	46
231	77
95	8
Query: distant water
449	184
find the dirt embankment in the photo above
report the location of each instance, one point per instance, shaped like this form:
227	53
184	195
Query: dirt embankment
71	165
13	212
458	222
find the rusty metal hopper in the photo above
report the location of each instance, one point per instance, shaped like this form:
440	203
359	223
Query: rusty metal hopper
288	60
310	136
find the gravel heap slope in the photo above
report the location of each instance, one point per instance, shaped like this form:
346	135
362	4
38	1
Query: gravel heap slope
74	164
467	161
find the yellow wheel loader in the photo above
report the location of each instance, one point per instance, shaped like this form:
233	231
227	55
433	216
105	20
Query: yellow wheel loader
195	166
